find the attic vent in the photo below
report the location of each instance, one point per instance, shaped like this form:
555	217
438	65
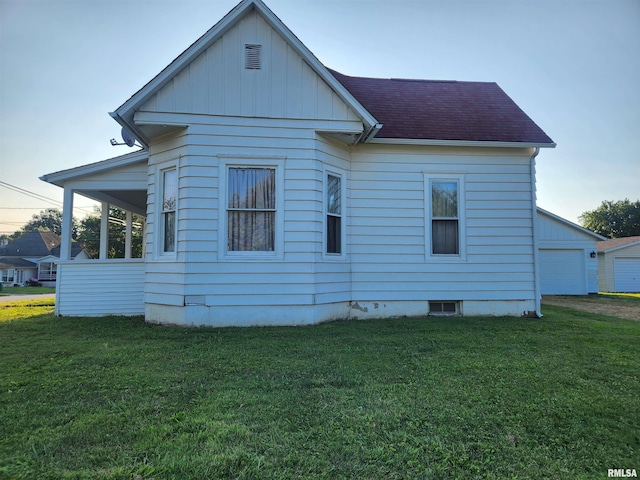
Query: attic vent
252	57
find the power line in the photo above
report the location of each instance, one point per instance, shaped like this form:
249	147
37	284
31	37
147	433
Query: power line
38	196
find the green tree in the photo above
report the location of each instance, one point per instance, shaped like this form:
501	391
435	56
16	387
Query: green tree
48	220
89	234
614	219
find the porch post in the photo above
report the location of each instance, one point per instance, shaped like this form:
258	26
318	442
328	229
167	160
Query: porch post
104	230
67	224
127	234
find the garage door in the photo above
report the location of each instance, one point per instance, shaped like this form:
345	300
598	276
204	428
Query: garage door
627	274
562	272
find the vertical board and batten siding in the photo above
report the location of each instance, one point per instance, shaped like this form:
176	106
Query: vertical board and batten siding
216	83
566	267
389	225
94	288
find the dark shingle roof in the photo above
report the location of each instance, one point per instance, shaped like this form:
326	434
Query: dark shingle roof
443	110
32	244
16	263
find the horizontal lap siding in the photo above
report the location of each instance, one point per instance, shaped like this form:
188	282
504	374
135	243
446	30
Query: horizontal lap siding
95	288
388	244
290	280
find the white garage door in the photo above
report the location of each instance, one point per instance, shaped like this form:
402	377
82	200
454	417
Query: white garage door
627	274
562	272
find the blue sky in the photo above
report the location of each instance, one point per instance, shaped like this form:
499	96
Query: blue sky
572	65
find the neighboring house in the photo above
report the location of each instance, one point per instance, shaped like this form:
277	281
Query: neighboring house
619	265
568	263
277	191
34	255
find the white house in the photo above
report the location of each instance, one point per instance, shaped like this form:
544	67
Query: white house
568	262
619	265
277	191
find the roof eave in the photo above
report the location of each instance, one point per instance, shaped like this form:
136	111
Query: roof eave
460	143
62	176
124	114
571	224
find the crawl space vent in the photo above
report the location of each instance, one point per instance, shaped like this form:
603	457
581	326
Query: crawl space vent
253	57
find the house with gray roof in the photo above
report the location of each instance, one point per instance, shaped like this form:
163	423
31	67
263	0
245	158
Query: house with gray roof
34	255
277	191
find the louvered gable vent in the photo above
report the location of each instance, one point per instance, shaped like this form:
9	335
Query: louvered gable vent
253	57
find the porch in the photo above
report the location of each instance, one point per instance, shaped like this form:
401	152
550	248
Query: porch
103	286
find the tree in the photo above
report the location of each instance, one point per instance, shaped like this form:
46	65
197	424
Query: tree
49	220
89	234
614	219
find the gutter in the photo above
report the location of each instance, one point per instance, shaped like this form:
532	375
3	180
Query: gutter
534	216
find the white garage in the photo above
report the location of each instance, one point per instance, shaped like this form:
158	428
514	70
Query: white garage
619	265
567	256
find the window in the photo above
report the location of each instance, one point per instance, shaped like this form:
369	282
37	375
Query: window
8	275
251	209
443	308
445	234
334	214
169	204
48	271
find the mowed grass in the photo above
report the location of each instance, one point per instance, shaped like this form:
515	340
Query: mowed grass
115	398
27	290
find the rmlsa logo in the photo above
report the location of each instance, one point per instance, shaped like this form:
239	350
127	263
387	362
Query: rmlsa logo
622	472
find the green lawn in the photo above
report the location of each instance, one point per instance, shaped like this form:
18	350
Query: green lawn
503	398
26	290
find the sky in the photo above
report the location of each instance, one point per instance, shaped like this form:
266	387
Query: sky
572	65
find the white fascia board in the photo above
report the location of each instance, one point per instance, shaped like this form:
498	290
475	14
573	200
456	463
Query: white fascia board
571	224
124	114
59	178
458	143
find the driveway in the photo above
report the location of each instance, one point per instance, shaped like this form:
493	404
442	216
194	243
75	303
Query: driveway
14	298
617	307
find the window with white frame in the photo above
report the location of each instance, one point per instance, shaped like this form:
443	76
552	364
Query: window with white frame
168	212
47	271
445	216
334	214
8	275
251	209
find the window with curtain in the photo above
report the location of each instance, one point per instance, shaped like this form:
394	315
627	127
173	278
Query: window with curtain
334	214
169	204
251	209
444	217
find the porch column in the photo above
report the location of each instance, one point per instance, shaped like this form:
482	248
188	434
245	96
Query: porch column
67	224
104	231
127	234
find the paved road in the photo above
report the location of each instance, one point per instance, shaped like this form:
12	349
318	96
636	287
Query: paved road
13	298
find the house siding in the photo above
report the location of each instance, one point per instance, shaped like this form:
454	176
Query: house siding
117	290
389	230
216	83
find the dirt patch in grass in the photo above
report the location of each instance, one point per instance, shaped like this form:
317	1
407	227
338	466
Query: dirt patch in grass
623	306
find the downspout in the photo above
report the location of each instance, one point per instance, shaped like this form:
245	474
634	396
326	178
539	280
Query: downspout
534	216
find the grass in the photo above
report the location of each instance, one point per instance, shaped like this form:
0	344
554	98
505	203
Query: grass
27	290
115	398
